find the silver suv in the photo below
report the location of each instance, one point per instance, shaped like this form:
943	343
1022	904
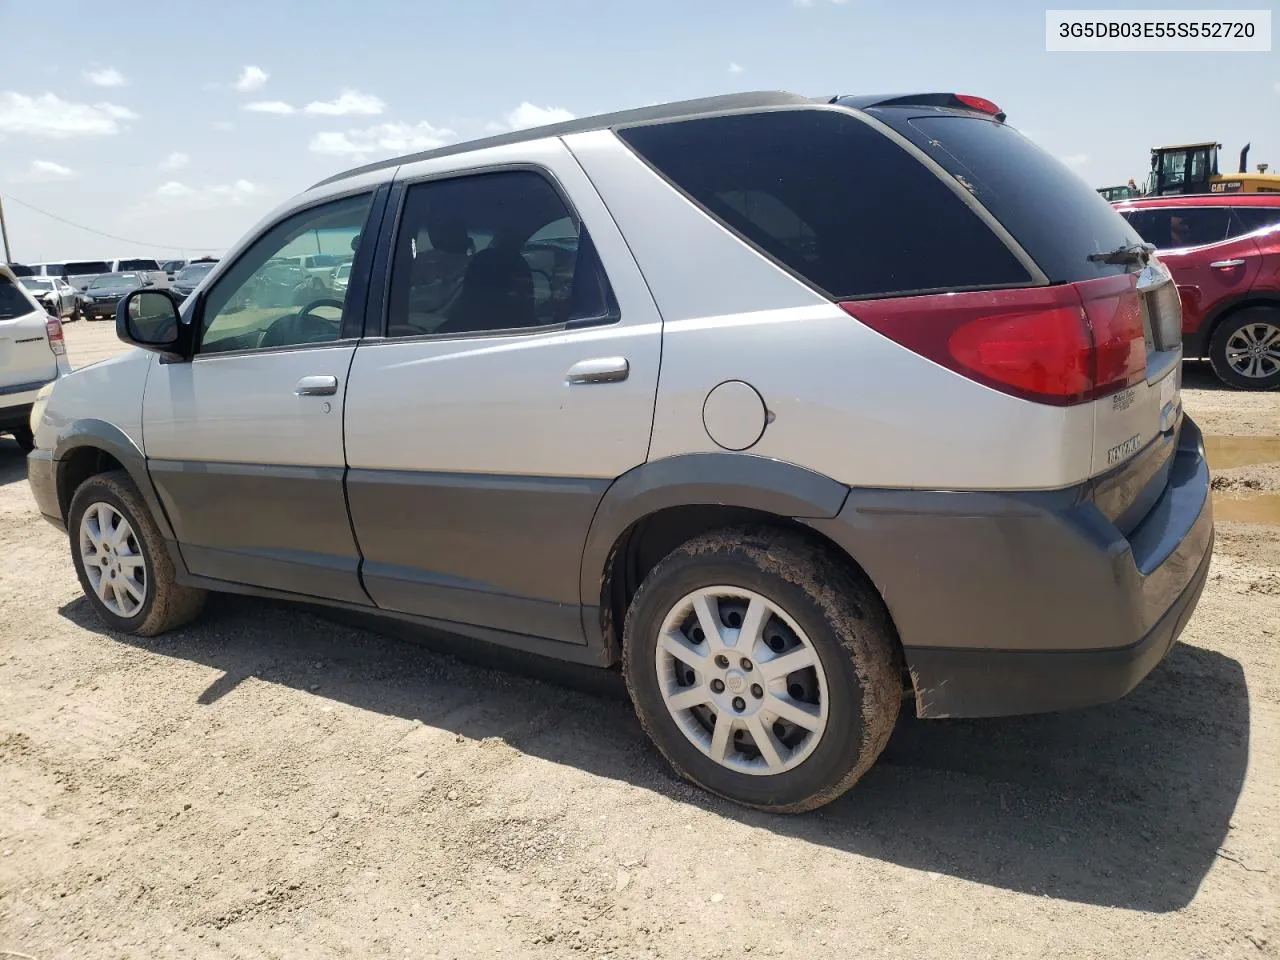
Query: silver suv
794	409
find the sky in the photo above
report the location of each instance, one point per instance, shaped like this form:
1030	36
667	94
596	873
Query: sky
174	128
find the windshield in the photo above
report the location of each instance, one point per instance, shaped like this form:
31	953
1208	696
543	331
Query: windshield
116	281
193	274
36	283
85	267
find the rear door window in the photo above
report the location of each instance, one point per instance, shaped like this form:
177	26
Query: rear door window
13	302
1057	217
831	199
1249	219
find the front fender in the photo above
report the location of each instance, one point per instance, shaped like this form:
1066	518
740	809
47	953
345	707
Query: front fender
100	435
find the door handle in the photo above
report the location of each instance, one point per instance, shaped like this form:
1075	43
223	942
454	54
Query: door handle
316	387
1222	264
599	370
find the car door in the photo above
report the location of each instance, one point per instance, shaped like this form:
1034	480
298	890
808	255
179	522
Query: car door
1206	266
513	380
244	442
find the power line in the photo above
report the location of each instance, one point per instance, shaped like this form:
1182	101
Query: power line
109	236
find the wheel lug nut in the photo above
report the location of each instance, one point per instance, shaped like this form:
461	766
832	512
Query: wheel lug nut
722	661
757	691
739	704
717	686
745	664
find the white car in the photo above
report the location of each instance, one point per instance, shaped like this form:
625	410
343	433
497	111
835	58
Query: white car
145	266
60	298
32	356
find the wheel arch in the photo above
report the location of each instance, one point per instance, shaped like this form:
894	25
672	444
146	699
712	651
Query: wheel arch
88	447
652	509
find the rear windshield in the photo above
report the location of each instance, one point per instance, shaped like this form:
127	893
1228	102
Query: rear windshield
832	199
1056	217
192	273
139	265
85	267
13	302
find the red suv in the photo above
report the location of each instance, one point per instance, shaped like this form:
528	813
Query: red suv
1224	253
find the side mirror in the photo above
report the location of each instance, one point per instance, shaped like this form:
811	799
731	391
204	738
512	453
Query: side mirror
149	319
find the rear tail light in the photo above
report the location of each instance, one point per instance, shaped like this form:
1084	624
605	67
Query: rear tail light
53	327
1043	344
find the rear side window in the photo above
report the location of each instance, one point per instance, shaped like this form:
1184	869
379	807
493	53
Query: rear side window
1249	219
13	302
1172	228
1056	217
831	199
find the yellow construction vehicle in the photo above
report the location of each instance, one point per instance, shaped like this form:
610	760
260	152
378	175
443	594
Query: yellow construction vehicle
1193	168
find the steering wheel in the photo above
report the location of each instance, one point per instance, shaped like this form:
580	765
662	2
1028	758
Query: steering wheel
316	304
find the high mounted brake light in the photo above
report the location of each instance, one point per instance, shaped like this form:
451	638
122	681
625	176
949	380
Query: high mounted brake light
980	103
962	101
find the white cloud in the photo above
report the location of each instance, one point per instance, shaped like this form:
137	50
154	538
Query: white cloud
251	78
106	77
49	116
43	171
269	106
383	140
175	161
1075	160
349	103
177	198
736	68
527	115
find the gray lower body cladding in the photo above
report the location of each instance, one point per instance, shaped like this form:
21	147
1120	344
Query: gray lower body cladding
1005	602
1023	603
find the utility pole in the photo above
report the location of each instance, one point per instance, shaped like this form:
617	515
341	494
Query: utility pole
4	231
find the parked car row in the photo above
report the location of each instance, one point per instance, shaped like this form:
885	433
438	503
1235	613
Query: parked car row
71	289
1224	253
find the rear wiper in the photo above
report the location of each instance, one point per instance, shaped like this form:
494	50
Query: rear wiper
1129	253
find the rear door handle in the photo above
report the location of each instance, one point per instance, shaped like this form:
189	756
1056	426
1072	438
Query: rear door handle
599	370
316	387
1221	264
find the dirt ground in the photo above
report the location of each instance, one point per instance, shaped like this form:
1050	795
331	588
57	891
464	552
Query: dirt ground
271	783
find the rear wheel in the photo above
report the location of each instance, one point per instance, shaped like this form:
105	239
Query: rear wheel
1245	349
763	669
121	560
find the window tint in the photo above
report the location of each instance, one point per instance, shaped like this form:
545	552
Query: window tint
495	251
1249	219
830	198
138	265
13	302
83	268
267	300
1171	228
1058	218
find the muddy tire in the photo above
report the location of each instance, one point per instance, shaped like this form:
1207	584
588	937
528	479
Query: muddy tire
1245	349
122	562
764	668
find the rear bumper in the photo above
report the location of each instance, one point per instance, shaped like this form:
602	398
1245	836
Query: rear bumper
1010	603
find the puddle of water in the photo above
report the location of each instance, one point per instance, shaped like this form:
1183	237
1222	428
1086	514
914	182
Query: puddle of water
1225	452
1259	508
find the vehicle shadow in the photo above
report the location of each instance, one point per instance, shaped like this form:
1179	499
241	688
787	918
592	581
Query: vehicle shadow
13	462
1125	805
1199	375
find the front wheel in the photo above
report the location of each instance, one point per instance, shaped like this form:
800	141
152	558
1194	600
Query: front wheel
763	669
1245	349
121	560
